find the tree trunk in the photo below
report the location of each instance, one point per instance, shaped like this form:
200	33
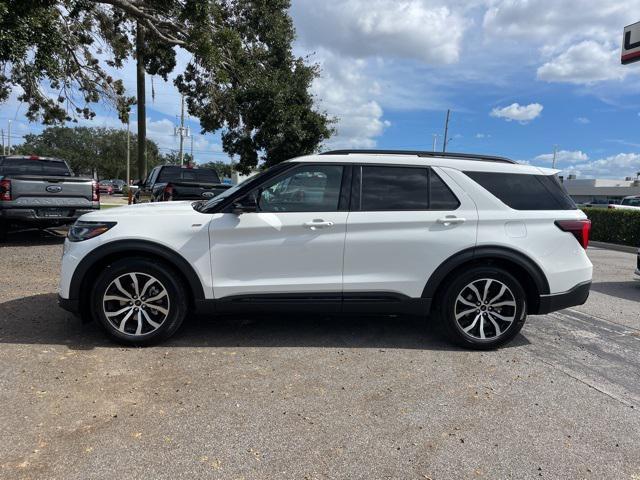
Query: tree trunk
142	114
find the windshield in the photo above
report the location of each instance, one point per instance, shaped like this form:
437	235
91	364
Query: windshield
634	202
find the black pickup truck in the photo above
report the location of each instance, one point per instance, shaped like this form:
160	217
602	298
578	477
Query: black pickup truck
172	183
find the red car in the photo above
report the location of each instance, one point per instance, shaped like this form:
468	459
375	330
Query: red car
105	186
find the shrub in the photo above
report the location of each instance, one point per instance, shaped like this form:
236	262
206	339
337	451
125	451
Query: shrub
614	225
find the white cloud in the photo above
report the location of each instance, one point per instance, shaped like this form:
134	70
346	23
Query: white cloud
582	120
520	113
616	166
584	63
564	156
556	22
482	135
343	90
399	28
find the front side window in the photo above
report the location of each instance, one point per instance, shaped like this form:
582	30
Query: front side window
404	188
308	188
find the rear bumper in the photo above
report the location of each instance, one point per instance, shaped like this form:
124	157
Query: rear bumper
571	298
33	215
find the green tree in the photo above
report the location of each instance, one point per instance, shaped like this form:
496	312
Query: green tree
223	169
173	158
243	79
102	151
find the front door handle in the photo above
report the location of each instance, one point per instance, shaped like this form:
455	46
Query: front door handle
451	220
317	224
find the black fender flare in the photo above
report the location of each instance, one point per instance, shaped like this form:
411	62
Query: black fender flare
172	258
486	252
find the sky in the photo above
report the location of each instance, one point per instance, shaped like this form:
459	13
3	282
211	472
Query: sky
520	77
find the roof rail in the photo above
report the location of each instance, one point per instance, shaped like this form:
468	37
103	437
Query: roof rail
419	153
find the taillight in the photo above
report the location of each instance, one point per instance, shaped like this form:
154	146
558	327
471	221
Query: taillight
95	191
579	228
168	191
5	190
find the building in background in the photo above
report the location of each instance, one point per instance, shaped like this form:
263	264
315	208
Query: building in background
603	191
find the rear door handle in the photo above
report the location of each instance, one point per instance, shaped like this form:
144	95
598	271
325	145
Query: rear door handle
451	220
317	224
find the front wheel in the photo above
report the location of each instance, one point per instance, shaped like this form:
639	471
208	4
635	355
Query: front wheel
138	301
483	308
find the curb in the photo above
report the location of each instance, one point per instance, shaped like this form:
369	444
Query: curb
613	246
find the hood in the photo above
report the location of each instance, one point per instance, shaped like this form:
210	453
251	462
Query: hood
141	210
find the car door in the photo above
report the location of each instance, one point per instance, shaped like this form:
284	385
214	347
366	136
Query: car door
292	246
145	191
405	221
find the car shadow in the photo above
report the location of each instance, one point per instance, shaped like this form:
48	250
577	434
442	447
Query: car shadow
34	237
629	290
38	320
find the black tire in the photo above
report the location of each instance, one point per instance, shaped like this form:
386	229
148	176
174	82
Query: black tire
458	290
174	301
4	231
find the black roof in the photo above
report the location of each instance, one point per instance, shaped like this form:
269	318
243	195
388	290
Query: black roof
420	153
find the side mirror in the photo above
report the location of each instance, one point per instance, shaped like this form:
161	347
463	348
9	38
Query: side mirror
245	205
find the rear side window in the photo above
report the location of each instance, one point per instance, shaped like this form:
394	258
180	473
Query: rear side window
404	188
173	174
525	192
27	166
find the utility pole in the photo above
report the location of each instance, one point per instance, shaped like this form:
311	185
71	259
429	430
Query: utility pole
3	150
446	132
193	159
435	142
142	114
555	153
9	139
182	132
128	155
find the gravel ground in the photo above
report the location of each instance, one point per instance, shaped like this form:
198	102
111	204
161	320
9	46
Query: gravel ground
316	398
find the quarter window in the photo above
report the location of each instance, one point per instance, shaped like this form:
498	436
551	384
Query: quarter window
309	188
525	192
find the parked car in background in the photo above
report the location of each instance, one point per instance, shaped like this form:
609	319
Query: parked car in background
170	183
118	185
42	192
628	203
476	242
106	187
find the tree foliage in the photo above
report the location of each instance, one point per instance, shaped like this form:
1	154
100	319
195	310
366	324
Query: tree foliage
89	150
223	169
62	58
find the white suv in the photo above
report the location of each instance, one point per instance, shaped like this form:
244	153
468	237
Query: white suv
478	242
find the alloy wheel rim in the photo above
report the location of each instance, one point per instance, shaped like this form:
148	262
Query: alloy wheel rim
485	309
136	303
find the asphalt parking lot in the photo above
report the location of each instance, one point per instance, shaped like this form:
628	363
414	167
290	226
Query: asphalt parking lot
316	398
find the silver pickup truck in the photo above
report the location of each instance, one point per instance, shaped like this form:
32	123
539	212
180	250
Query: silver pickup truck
42	192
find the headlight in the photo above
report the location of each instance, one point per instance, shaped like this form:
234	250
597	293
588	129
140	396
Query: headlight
85	230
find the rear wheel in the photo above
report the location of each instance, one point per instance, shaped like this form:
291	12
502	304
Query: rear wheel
139	302
483	308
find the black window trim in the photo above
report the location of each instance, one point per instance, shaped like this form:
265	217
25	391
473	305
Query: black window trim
356	190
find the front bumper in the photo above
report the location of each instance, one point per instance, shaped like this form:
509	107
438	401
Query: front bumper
571	298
